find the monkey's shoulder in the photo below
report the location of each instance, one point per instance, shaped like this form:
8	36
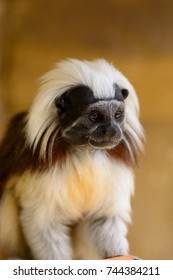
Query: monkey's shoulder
11	147
13	136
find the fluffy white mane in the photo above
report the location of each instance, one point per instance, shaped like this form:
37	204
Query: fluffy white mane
100	76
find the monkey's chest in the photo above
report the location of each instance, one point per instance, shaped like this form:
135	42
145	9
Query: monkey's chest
86	186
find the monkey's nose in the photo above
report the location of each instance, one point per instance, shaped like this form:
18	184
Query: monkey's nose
109	131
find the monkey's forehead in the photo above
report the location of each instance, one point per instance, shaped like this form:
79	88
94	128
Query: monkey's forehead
106	105
83	95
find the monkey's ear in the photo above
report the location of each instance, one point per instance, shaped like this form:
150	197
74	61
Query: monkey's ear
120	93
125	92
60	104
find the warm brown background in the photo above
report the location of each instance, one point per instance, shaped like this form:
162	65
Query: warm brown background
137	36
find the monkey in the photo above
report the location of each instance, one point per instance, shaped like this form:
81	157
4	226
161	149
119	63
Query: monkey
67	166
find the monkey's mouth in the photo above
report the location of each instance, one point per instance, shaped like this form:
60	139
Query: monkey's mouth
103	143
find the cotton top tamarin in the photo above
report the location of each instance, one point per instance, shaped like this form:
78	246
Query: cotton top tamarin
66	166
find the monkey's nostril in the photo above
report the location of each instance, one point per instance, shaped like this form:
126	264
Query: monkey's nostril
102	130
107	131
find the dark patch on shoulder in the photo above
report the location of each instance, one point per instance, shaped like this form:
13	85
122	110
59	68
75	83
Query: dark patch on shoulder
15	154
10	149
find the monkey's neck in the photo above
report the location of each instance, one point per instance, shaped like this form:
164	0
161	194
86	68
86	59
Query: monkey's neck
64	150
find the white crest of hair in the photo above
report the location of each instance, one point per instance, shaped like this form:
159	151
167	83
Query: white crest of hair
100	76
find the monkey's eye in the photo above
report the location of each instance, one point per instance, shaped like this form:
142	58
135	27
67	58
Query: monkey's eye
118	115
94	116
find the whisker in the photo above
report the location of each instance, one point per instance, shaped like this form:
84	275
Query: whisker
45	139
129	149
41	132
50	146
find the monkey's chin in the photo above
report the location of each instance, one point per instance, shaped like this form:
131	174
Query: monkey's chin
96	144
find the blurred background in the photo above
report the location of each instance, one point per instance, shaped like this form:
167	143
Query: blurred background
137	36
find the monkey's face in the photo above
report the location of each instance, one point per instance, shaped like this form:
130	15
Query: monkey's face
85	120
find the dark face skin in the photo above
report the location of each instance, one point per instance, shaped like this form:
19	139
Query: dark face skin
85	120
